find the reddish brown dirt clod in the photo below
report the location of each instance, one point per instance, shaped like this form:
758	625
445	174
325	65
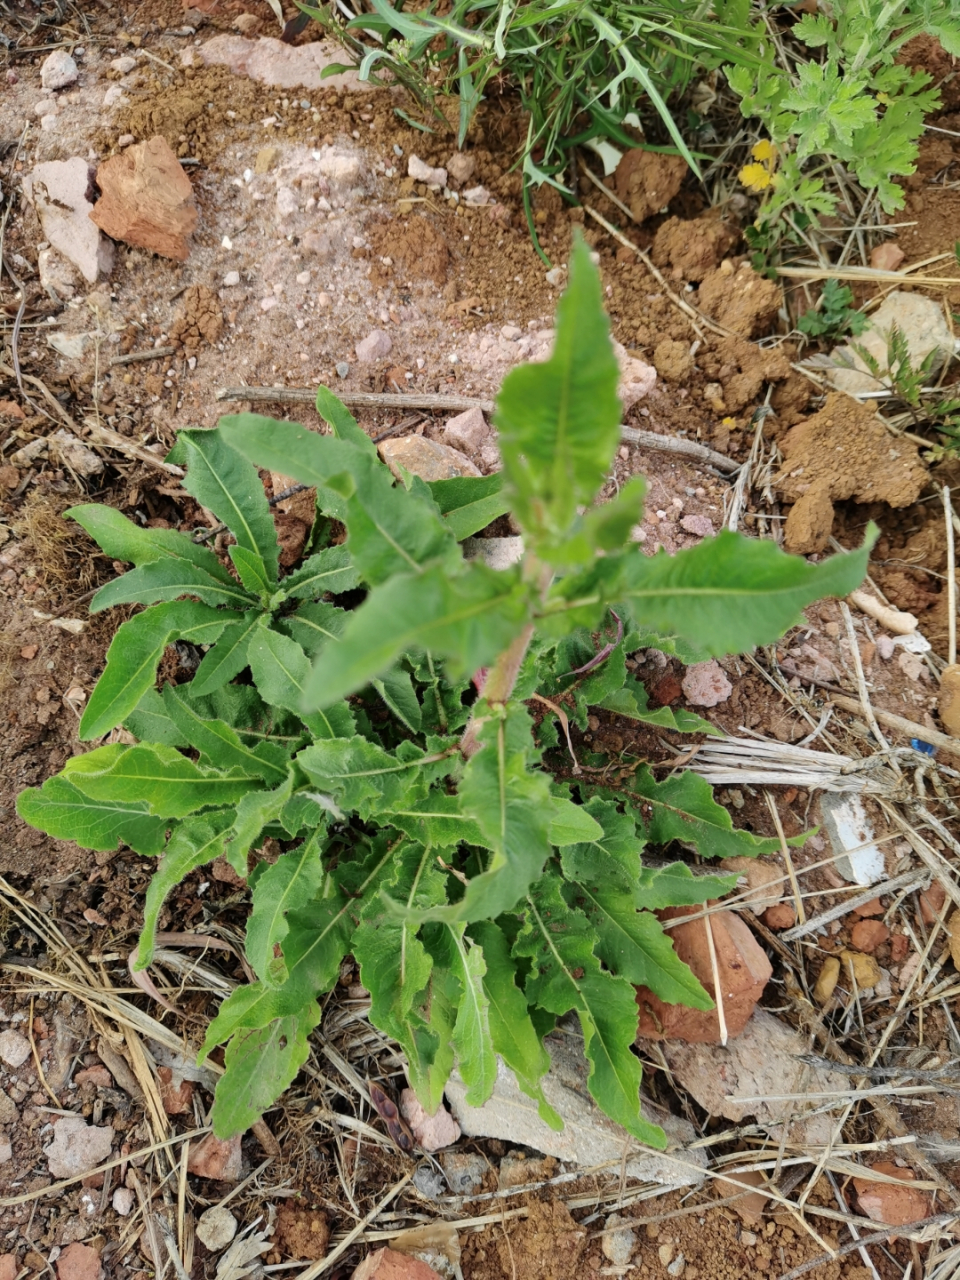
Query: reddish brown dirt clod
750	1204
79	1262
867	935
693	248
97	1075
931	902
743	968
200	319
893	1205
387	1264
176	1094
9	1270
781	916
302	1233
147	200
844	451
216	1159
646	181
872	908
743	301
899	947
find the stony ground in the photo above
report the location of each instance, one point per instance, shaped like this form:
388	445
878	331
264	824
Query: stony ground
256	226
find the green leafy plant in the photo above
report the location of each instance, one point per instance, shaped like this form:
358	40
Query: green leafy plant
906	381
583	71
854	104
418	828
834	317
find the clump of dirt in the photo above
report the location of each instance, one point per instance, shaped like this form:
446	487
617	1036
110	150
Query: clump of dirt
646	181
692	249
548	1244
672	360
302	1233
742	368
844	451
199	320
416	246
740	299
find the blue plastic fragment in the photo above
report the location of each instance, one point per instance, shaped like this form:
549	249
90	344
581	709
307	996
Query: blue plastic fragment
927	748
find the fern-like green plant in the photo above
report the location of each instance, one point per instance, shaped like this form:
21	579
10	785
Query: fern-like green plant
419	830
851	102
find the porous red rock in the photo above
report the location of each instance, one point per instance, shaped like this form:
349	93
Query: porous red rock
79	1262
147	200
743	968
892	1205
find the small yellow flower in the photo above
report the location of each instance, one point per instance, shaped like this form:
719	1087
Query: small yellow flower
729	423
756	176
766	152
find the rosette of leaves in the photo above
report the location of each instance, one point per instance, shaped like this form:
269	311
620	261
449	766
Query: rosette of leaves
334	711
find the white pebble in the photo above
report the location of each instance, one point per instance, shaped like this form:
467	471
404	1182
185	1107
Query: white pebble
123	1201
231	279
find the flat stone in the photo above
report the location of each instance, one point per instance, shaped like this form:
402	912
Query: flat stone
6	1150
377	345
431	1132
77	1147
284	66
921	321
425	458
465	1171
467	431
79	1262
850	832
749	1205
14	1048
9	1267
8	1108
761	1063
58	70
216	1158
61	191
147	199
123	65
743	969
588	1137
216	1227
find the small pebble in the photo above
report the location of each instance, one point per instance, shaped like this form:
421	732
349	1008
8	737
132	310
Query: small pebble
125	140
216	1228
123	1201
14	1048
343	369
303	277
267	303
